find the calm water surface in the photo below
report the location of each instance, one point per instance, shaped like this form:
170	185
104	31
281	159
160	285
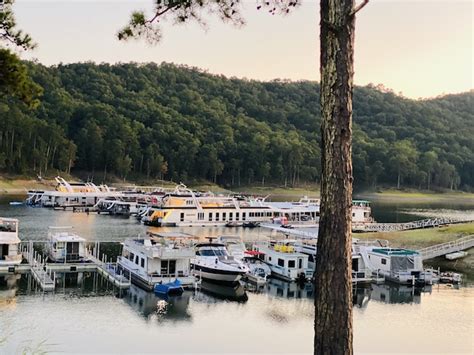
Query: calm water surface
86	315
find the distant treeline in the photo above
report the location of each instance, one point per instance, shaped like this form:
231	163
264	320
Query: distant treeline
180	123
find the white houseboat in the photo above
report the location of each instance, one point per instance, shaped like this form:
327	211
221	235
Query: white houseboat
360	271
284	261
65	246
158	258
10	254
402	266
185	207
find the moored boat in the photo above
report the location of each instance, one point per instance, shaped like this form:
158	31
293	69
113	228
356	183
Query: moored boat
10	254
213	262
160	258
65	246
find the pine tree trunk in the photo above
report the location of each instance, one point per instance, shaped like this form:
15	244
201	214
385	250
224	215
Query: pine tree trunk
333	286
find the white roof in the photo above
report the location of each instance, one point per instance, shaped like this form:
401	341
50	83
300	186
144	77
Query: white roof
67	237
9	238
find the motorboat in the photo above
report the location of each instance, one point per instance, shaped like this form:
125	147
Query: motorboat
158	258
213	262
258	270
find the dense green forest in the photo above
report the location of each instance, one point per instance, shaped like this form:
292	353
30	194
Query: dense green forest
180	123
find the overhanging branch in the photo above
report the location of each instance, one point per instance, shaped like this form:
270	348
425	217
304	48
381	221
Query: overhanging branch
359	7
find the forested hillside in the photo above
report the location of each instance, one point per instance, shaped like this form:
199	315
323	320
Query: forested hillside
181	123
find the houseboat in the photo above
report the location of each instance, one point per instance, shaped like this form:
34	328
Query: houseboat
185	207
158	258
65	246
213	262
402	266
360	271
284	260
10	254
70	194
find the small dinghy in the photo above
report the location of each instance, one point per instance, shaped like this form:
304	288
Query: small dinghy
170	288
16	203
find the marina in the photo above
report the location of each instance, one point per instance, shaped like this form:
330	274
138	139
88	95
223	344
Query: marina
171	303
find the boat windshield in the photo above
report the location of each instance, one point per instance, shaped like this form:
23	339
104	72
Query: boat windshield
211	252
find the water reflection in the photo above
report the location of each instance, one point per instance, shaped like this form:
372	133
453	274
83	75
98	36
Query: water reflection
235	292
153	307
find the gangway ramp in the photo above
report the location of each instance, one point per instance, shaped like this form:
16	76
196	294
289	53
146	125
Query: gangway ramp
447	248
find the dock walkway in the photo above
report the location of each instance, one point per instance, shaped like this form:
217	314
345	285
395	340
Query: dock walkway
447	248
393	227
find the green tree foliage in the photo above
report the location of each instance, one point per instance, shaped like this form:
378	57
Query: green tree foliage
180	123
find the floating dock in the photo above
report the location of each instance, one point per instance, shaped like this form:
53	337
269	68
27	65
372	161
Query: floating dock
45	273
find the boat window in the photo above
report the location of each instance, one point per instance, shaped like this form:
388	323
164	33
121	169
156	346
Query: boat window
220	252
300	263
230	216
217	216
384	261
281	262
210	217
136	259
181	217
237	216
243	216
205	252
132	256
200	216
291	263
142	264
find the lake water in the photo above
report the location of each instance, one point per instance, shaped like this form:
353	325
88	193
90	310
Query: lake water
87	315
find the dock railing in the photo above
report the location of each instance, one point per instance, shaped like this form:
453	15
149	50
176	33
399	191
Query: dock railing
447	248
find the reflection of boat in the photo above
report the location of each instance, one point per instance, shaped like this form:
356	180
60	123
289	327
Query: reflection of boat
234	292
280	288
149	304
9	243
213	262
65	246
8	288
397	293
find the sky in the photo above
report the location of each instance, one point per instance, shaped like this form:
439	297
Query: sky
417	48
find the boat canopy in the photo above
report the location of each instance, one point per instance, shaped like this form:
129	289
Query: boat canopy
9	238
394	252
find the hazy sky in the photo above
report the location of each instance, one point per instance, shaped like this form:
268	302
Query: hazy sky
419	48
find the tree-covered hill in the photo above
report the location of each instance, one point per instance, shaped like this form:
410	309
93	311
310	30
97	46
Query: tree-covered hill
181	123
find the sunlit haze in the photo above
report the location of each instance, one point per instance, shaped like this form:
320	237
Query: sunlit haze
418	48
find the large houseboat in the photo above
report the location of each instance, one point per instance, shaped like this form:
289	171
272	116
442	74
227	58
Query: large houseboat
184	207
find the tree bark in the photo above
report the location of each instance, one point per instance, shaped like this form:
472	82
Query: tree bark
333	286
